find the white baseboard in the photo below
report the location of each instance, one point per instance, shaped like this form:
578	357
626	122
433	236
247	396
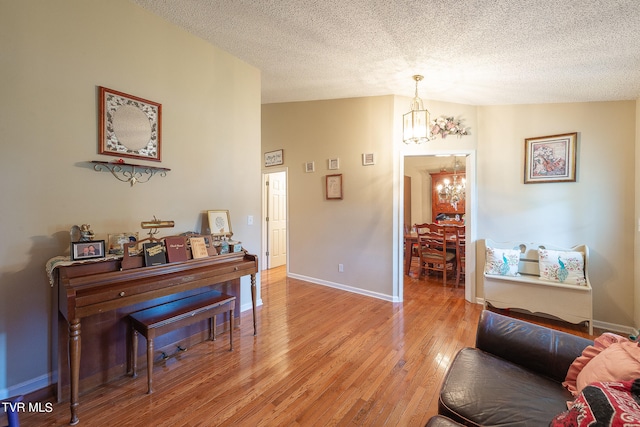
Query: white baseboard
343	287
621	329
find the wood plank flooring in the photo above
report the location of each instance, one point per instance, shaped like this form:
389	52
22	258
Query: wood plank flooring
322	357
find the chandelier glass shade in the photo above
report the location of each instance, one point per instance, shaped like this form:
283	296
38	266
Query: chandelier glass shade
453	192
416	123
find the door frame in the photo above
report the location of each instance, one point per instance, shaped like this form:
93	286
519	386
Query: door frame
266	264
471	207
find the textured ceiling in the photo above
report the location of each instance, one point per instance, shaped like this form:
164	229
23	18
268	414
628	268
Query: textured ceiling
478	52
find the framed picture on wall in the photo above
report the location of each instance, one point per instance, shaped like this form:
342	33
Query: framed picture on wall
129	126
310	167
273	158
334	186
550	158
368	159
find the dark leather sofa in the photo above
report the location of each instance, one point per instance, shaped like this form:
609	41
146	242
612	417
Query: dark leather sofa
513	377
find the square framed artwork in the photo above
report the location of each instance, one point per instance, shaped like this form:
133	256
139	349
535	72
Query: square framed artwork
310	167
550	158
334	187
368	159
219	223
87	250
129	126
334	164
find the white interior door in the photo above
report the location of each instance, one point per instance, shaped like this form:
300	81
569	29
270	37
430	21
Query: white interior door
276	219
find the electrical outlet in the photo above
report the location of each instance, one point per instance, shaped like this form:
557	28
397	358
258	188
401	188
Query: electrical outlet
341	268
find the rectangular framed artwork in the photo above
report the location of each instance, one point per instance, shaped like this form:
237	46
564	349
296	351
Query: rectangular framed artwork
334	187
273	158
550	158
310	167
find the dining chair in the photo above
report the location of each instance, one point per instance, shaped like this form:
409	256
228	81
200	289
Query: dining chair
461	246
433	250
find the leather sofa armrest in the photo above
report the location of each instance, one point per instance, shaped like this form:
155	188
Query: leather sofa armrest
540	349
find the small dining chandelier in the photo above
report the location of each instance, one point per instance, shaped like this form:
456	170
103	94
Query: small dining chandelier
415	124
453	192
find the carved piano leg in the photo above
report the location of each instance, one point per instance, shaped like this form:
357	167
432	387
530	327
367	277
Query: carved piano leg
253	303
74	361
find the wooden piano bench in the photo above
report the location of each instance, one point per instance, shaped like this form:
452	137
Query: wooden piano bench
164	318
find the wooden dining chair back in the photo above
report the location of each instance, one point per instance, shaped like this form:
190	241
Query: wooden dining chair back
461	246
433	250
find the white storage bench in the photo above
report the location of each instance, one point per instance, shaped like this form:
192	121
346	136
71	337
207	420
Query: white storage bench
566	296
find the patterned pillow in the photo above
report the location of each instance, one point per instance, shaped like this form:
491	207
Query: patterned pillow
502	262
603	404
562	266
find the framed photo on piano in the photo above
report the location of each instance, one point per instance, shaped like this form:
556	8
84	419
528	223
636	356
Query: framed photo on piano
87	250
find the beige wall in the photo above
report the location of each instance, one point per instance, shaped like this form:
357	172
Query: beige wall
55	55
355	231
597	210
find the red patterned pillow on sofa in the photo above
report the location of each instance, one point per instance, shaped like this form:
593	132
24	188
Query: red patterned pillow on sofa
603	404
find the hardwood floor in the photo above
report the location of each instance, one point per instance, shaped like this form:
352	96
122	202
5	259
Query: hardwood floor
322	357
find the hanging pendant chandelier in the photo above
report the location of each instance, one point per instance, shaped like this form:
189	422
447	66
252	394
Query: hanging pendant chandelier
416	123
453	192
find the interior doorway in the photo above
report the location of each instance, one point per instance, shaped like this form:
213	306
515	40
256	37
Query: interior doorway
424	184
274	219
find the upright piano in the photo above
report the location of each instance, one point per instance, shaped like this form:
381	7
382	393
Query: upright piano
95	298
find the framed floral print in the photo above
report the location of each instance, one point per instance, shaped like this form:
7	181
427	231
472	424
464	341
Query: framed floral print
550	158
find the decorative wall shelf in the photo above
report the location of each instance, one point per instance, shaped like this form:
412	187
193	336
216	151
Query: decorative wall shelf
127	172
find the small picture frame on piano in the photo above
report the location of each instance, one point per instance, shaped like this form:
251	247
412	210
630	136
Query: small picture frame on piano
87	250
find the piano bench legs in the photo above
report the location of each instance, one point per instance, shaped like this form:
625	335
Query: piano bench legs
161	319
